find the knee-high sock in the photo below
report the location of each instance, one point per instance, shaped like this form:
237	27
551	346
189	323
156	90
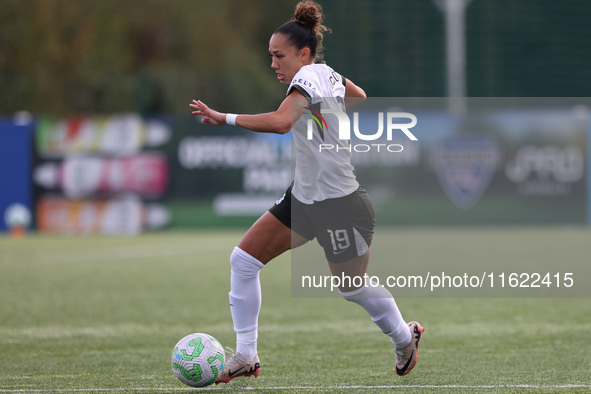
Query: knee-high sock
379	303
245	300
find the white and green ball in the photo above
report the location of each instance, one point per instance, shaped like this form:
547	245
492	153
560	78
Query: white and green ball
198	360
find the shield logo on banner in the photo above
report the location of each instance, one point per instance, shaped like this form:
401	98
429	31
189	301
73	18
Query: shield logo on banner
465	166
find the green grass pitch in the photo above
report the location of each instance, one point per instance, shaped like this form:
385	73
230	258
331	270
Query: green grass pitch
102	314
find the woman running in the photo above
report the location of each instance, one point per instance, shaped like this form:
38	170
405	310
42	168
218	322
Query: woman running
324	201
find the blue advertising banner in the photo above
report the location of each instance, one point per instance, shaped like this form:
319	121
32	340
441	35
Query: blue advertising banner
15	170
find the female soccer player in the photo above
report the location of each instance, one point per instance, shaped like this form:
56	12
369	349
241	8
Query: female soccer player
324	202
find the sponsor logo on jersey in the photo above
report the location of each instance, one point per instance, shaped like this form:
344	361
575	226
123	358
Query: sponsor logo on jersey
315	113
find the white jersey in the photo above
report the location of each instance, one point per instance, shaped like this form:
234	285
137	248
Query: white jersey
320	175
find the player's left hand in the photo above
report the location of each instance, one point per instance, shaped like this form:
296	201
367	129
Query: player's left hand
210	116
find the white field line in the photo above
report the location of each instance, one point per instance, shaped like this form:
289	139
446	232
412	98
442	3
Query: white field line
310	388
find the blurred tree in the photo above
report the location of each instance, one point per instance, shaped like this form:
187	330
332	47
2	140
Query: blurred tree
64	57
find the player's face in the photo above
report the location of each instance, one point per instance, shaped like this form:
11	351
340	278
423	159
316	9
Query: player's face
287	60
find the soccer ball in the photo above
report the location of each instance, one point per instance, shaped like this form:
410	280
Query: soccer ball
198	360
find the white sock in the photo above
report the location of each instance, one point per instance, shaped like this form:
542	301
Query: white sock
246	344
379	303
245	301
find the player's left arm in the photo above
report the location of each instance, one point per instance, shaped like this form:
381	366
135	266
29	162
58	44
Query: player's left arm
279	121
354	94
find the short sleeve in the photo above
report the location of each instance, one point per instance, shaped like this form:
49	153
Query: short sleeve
301	90
305	82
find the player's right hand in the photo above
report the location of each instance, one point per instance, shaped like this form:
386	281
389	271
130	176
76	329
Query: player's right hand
210	116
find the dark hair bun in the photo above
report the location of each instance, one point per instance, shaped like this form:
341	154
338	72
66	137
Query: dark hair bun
309	14
306	29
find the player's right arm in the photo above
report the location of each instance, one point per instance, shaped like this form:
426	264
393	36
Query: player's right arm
279	121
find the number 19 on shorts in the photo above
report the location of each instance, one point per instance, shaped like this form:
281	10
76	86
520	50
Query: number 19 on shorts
340	240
